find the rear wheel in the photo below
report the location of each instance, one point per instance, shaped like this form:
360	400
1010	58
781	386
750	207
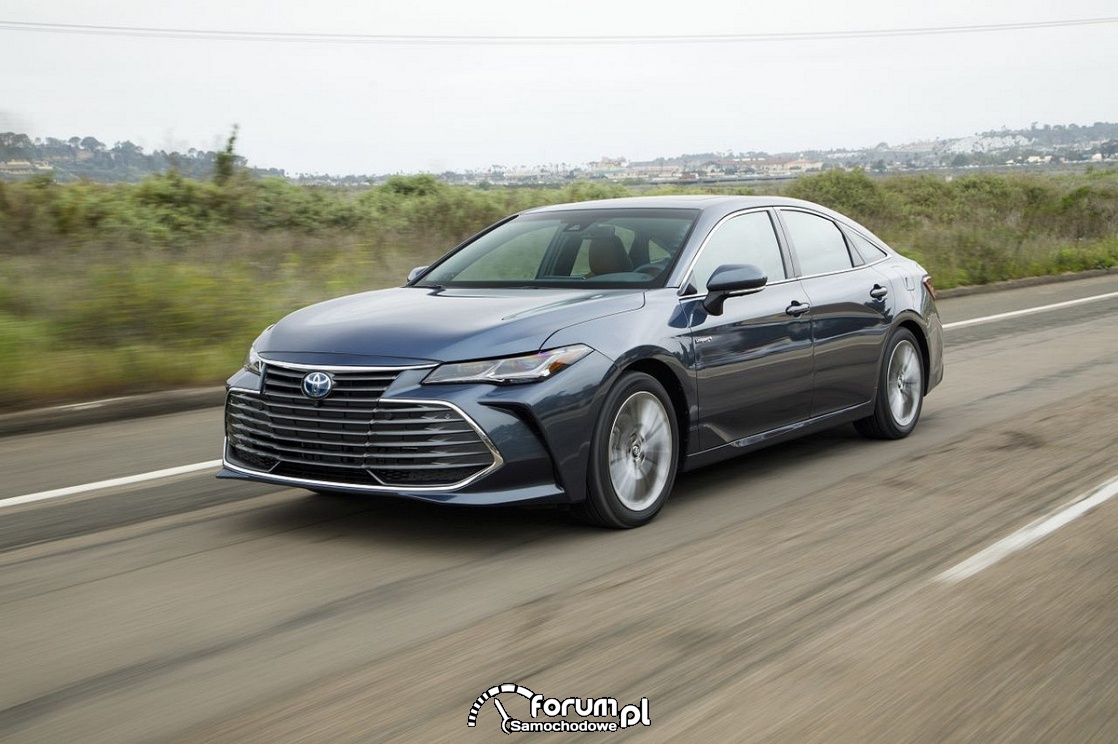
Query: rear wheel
900	390
634	453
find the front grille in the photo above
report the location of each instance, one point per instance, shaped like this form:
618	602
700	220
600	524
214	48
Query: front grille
351	437
423	444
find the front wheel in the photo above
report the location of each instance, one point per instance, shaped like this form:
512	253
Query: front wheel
634	453
900	390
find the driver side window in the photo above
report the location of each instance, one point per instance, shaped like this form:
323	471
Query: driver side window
745	239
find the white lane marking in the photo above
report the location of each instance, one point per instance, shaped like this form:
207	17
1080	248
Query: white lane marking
1029	534
1027	311
89	404
127	480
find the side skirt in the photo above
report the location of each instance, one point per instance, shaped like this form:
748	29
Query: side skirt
775	436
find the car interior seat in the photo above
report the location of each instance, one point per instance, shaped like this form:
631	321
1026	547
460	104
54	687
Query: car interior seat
608	256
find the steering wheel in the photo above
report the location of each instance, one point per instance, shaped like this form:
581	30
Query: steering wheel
653	268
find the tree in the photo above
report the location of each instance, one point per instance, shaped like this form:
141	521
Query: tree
225	163
92	144
127	148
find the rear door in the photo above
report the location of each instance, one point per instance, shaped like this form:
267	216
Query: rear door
850	307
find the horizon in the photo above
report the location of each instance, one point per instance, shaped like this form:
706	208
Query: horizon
734	152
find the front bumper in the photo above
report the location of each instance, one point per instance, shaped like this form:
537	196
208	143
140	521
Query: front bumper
537	434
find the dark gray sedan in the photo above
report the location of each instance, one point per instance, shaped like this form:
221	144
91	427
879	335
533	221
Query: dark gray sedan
586	353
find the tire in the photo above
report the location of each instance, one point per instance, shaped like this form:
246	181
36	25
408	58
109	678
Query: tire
634	454
900	390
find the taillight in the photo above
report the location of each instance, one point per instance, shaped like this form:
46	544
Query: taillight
929	286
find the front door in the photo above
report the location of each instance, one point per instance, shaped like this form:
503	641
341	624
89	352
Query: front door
753	363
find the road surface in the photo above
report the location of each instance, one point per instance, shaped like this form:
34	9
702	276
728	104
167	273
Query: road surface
808	592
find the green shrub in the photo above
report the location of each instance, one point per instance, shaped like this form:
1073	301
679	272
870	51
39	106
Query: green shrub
166	282
853	193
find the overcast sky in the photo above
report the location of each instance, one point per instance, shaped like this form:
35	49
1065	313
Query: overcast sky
347	108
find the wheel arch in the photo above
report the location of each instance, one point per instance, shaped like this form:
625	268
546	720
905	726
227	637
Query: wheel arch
922	344
671	383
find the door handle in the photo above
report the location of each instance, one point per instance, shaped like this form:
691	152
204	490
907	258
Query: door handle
797	308
878	291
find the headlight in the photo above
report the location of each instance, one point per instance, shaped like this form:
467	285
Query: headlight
254	363
510	370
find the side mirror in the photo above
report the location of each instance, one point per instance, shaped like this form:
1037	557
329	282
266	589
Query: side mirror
730	280
414	273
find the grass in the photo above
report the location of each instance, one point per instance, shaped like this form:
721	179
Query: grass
111	289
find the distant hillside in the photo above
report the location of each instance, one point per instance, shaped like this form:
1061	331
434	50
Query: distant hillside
1070	142
86	157
79	158
1059	135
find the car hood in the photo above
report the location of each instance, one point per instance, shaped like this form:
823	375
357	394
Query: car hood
410	325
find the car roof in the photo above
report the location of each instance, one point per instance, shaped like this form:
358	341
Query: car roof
712	206
716	202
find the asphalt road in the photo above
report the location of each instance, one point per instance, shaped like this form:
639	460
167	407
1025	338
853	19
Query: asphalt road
795	594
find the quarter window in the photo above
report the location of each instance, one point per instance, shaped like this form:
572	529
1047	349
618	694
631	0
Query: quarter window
869	251
818	243
745	239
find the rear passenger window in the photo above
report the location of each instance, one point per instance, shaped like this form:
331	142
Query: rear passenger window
818	243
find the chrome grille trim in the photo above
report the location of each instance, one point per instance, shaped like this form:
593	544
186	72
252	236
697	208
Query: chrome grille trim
350	387
353	440
344	367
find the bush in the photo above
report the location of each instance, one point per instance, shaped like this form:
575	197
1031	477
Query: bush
853	193
166	282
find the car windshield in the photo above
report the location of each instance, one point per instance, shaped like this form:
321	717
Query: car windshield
600	247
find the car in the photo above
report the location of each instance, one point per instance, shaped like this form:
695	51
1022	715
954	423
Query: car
585	354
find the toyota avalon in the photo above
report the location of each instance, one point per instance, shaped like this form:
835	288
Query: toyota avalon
585	354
